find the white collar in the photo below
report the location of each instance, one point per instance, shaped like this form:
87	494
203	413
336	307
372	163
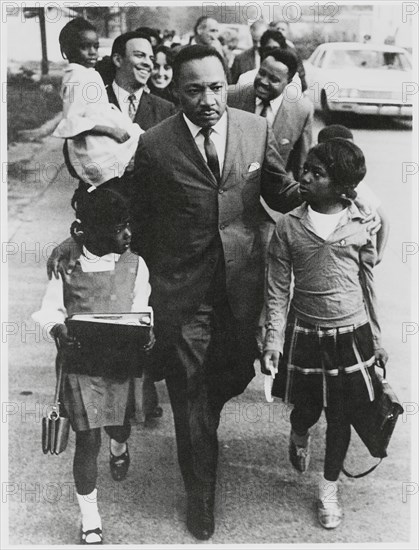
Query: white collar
92	263
219	128
274	104
122	94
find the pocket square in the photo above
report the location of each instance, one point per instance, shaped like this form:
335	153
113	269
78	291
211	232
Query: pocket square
253	166
284	141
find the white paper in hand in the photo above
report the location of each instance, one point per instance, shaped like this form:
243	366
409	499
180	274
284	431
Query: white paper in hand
268	388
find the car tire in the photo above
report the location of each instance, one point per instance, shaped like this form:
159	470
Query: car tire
328	115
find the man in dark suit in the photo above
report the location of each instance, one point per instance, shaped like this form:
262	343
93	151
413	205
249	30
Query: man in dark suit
249	59
133	58
289	112
199	178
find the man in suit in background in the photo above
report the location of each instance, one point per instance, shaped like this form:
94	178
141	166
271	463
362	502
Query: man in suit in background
199	178
133	58
290	113
249	59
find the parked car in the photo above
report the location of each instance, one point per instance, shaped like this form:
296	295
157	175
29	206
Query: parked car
366	79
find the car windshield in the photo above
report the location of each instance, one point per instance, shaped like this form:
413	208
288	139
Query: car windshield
368	59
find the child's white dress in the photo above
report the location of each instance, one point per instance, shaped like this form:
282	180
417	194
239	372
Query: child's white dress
95	159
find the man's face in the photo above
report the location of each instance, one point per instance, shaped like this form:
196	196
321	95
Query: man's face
256	33
208	32
202	90
134	68
271	79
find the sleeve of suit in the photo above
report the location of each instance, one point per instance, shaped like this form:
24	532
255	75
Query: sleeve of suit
142	204
280	192
302	147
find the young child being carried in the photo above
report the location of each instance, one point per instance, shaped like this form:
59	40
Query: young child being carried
330	337
100	140
99	378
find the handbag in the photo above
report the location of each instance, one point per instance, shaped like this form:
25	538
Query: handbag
375	422
55	428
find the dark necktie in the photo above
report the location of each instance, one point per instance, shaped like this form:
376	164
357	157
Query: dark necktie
132	107
265	105
211	153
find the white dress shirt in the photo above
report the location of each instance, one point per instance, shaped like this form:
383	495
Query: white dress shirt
122	97
272	109
218	137
53	310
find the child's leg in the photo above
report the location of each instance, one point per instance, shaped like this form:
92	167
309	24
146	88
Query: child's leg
85	460
338	435
119	436
85	476
304	415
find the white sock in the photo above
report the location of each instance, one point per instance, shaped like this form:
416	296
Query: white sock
328	490
118	449
90	518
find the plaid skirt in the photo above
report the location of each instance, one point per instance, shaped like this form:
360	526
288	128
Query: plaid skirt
324	364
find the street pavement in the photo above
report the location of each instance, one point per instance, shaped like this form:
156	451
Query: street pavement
260	498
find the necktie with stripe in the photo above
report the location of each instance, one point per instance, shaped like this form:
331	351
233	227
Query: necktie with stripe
211	153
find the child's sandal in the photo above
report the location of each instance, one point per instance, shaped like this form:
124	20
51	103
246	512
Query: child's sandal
91	536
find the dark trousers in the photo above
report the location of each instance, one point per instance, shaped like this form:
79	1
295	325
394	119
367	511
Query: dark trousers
85	457
212	361
338	433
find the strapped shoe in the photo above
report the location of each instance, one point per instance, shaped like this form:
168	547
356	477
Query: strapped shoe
91	536
329	513
299	455
119	465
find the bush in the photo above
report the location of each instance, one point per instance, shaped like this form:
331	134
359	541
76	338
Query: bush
31	103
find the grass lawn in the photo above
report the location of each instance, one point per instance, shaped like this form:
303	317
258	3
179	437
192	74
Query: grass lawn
30	104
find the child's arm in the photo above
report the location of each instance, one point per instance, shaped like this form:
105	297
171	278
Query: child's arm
382	235
141	294
52	313
278	283
118	134
367	260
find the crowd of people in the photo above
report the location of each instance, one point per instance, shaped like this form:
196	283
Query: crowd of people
182	183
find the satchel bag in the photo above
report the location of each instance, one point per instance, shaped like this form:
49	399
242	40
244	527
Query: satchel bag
375	423
55	428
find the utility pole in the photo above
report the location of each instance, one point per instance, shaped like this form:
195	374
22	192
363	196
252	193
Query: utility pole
44	62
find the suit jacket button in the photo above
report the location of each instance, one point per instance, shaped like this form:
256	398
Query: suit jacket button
221	191
222	226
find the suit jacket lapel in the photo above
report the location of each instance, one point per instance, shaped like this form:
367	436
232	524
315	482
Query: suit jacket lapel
187	146
145	115
111	96
234	133
284	121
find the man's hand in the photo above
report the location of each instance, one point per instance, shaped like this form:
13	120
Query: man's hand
381	357
269	363
150	345
63	259
61	337
370	217
119	135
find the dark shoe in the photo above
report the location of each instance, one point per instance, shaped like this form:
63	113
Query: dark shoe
200	515
299	455
119	465
94	535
